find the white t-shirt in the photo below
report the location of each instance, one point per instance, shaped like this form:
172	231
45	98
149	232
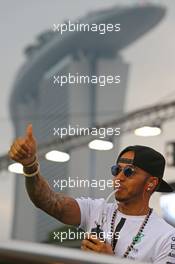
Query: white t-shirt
156	245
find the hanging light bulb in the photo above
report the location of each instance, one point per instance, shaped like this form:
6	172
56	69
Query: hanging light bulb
148	131
15	168
57	156
98	144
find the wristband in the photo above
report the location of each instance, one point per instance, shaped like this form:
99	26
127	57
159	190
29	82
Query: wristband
33	173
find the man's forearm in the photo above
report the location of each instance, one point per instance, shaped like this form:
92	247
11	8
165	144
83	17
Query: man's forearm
43	197
58	205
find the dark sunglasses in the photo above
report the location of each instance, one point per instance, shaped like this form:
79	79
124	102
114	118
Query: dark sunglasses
127	171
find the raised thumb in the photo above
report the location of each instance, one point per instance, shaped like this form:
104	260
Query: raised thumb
29	131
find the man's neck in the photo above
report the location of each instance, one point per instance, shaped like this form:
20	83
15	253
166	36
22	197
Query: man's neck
133	208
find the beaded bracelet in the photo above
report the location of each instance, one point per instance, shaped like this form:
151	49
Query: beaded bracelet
33	173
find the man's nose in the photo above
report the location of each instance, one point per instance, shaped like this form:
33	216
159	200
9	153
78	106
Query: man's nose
120	177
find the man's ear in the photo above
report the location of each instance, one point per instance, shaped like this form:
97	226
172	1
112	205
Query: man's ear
152	184
158	181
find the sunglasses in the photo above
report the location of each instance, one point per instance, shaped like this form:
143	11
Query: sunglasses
127	171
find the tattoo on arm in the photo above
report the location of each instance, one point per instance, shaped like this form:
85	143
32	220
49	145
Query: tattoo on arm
58	205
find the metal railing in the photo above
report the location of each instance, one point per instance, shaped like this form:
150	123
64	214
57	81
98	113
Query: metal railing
32	253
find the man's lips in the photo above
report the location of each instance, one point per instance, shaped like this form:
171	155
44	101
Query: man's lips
120	188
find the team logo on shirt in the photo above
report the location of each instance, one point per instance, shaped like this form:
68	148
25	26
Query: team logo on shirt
137	239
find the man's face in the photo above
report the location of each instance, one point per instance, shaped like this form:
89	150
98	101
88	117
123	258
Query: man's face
132	187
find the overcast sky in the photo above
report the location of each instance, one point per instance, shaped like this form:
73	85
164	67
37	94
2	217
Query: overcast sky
152	59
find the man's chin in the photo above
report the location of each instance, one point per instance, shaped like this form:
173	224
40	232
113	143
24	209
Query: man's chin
120	198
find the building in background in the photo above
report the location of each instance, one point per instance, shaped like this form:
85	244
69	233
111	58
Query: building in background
35	99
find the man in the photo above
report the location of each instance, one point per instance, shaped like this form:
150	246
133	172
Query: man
137	232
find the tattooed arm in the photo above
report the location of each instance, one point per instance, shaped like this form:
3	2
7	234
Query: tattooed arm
58	205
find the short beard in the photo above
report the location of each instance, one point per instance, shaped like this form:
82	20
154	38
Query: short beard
130	198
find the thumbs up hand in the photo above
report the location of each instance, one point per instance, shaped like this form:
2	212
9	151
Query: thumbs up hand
23	150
